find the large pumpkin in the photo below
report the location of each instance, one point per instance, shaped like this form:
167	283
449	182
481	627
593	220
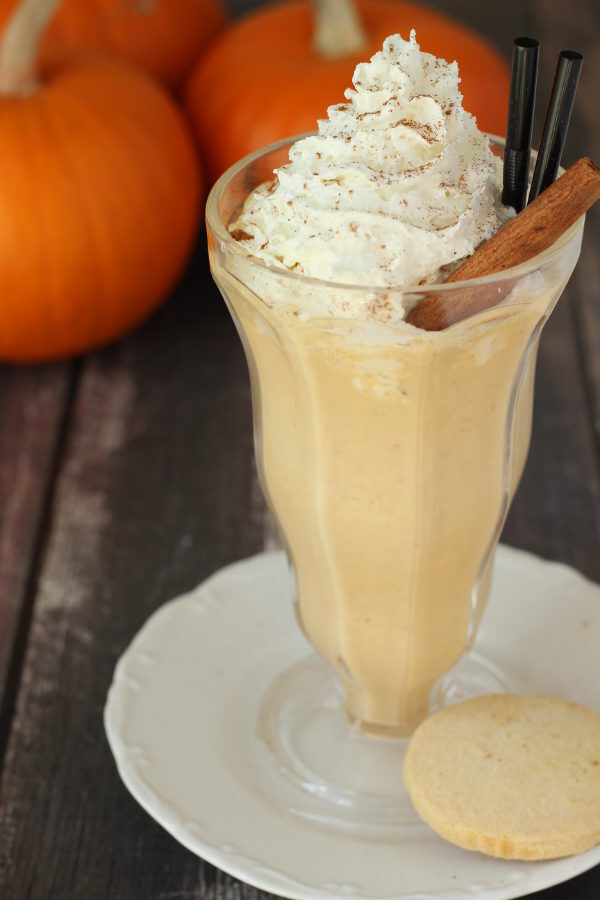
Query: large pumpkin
274	72
99	189
164	37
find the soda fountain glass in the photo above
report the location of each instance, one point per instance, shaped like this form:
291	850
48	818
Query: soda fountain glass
388	457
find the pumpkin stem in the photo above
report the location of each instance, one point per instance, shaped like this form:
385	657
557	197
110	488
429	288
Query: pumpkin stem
19	46
338	30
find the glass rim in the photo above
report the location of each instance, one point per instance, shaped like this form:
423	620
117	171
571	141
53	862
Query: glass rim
216	225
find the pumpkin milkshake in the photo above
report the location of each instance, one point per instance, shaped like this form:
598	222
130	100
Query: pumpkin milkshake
388	455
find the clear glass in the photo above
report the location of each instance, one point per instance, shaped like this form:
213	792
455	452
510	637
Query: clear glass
389	457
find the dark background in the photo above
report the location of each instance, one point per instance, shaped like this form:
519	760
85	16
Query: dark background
127	477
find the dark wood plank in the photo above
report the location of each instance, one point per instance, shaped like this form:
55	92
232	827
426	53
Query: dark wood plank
564	487
556	512
557	30
586	309
33	404
156	491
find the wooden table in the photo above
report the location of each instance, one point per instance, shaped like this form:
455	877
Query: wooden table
127	477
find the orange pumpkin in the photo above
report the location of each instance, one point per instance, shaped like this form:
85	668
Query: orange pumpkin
164	37
272	74
100	197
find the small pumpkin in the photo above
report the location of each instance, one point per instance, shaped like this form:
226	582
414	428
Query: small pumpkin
164	37
99	189
274	72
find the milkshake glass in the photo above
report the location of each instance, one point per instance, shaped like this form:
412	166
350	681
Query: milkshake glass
388	457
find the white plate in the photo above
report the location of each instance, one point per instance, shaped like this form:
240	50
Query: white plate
181	713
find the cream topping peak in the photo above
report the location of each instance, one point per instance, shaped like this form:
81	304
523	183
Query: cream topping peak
397	186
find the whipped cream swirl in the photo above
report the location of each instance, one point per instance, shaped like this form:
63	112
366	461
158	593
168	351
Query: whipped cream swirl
396	188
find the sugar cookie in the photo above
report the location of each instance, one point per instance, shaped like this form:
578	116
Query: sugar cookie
513	776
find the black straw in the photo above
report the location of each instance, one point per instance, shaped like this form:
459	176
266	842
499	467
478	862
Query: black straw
557	121
520	122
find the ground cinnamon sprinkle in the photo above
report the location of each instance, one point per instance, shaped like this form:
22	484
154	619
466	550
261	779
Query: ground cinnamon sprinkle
380	307
240	235
424	131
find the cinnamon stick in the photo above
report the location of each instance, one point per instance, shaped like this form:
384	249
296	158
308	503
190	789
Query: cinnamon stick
531	232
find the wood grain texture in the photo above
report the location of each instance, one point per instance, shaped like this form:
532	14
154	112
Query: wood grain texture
556	512
157	488
33	404
583	29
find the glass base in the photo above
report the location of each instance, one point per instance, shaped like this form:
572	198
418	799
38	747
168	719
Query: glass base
335	774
